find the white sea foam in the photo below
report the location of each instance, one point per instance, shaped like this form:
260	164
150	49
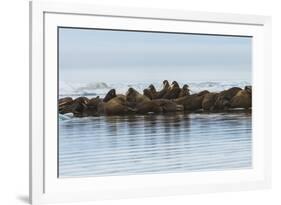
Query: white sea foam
67	116
82	89
101	88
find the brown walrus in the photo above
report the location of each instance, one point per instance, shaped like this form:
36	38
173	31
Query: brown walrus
158	106
92	107
243	99
184	91
147	93
208	102
173	91
204	92
133	97
165	89
111	94
76	106
193	102
150	92
64	101
182	100
148	107
168	105
64	105
83	100
115	106
224	98
248	88
80	105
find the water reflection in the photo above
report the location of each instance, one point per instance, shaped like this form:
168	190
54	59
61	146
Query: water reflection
121	145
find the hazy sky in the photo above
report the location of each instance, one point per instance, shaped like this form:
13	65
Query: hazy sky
103	55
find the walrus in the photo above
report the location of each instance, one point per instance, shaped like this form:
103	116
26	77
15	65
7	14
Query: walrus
193	102
80	105
111	94
117	106
64	101
93	107
166	87
182	100
64	105
158	106
173	91
248	88
151	92
243	99
208	102
204	92
76	106
168	105
184	91
133	97
83	100
224	98
148	107
147	92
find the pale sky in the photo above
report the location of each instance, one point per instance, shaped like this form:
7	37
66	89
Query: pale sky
87	55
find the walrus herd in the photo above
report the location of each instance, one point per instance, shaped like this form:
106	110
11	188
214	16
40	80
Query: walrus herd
171	98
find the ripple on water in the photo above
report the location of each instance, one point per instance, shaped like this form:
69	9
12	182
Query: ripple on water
123	145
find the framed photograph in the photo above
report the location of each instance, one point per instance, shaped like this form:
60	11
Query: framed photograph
129	102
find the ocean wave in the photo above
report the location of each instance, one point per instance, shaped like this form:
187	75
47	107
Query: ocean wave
67	116
83	89
101	88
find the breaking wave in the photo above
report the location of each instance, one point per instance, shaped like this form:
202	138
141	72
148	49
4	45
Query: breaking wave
101	88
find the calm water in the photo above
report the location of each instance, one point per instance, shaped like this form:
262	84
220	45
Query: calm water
123	145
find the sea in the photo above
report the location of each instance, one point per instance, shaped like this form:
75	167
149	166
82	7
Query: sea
152	143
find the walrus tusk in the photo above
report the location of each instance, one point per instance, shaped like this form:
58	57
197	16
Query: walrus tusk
132	109
179	108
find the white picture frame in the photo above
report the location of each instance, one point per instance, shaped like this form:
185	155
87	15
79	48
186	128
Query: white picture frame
46	187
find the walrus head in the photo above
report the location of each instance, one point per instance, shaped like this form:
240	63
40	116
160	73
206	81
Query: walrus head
131	95
152	88
93	103
65	105
82	100
111	94
175	84
185	87
92	108
131	91
166	84
79	105
65	100
248	89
